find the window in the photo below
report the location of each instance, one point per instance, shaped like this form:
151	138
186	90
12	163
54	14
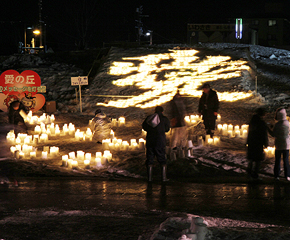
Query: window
272	23
255	22
272	37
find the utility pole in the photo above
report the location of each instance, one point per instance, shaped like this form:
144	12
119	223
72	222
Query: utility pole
139	26
40	22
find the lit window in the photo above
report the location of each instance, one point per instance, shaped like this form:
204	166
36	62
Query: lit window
272	23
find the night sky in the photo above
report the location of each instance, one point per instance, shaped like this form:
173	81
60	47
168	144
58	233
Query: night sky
112	21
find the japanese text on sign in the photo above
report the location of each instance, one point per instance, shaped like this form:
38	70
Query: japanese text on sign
41	89
79	81
9	79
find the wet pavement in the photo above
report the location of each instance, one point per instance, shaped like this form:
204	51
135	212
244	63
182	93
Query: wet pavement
96	209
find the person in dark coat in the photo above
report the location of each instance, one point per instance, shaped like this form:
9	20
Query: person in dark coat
257	140
156	125
15	118
178	111
208	108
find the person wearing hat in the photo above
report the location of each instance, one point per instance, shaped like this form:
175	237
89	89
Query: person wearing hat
208	108
156	125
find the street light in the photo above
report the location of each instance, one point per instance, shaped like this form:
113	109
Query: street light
36	32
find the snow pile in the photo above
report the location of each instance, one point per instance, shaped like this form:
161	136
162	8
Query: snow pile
220	229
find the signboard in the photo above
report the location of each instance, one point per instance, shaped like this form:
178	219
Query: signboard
211	27
75	81
24	87
239	28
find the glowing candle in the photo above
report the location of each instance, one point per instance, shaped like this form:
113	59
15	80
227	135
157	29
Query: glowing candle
111	146
88	156
69	163
74	164
21	155
17	140
141	144
115	140
245	127
237	128
105	143
219	127
219	117
121	121
65	129
117	146
37	129
230	133
112	134
114	122
98	162
216	140
54	151
72	155
80	155
13	149
238	133
44	155
98	154
89	134
18	147
245	133
52	118
32	154
125	146
87	163
132	141
210	141
230	127
108	155
64	160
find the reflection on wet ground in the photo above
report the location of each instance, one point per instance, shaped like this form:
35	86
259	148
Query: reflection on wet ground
267	203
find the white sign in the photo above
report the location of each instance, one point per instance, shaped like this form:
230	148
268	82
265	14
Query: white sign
79	81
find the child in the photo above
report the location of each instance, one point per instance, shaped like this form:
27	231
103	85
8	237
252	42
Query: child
15	118
282	143
100	126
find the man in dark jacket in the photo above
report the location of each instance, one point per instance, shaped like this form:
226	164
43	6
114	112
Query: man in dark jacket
156	125
178	111
257	140
208	108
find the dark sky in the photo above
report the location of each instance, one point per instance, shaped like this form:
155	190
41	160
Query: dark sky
114	20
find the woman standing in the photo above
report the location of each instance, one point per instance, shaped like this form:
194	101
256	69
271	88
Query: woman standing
282	143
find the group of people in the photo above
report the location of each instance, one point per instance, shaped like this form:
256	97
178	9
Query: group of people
258	140
156	125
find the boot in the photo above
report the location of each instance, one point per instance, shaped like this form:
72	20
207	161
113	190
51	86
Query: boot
164	172
149	172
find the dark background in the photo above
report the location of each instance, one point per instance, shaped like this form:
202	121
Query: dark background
78	24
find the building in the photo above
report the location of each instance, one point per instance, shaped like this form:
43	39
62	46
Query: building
262	31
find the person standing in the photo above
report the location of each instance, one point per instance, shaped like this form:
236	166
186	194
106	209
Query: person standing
282	143
178	125
156	125
208	108
15	117
257	140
